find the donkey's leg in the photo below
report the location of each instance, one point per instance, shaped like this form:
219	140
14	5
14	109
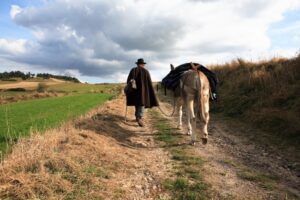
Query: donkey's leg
193	121
205	116
188	118
179	109
191	118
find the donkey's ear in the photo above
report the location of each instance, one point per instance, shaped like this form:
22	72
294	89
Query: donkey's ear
172	67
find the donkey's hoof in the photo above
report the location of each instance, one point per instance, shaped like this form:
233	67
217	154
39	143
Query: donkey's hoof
189	133
179	127
204	140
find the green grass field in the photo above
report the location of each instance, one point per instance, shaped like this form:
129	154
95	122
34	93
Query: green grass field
18	119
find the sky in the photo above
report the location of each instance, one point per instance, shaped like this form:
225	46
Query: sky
100	40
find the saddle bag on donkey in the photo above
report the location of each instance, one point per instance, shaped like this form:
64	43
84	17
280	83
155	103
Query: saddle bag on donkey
172	80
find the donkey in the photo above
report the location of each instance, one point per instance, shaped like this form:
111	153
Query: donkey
193	92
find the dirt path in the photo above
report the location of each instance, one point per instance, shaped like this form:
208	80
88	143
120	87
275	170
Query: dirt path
148	165
265	165
238	168
99	156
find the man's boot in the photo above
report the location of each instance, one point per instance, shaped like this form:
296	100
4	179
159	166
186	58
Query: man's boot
140	121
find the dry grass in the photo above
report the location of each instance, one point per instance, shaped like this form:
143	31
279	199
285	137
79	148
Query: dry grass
54	168
64	163
264	94
98	156
29	96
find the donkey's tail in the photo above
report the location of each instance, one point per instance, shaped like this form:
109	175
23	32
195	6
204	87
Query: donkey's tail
202	107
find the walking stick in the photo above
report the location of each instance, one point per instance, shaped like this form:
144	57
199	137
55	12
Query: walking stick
126	114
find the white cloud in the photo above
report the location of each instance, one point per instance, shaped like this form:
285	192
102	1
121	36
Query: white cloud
12	47
104	38
15	9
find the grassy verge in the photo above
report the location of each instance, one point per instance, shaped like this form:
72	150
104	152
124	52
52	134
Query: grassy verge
264	95
187	182
19	119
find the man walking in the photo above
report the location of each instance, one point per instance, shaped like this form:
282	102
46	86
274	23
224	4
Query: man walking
142	96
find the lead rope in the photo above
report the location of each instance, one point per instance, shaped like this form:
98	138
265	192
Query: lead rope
125	111
163	112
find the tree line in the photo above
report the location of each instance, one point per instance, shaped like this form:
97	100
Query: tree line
24	76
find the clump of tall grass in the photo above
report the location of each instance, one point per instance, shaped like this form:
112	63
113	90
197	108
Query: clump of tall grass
41	87
264	94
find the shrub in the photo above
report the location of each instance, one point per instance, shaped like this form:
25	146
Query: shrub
16	90
9	79
41	87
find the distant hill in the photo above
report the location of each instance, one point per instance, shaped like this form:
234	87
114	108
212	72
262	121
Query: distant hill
66	78
11	76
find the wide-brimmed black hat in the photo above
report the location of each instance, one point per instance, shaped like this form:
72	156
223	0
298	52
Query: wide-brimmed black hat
140	61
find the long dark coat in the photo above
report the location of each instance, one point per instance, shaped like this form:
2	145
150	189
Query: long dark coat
144	94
